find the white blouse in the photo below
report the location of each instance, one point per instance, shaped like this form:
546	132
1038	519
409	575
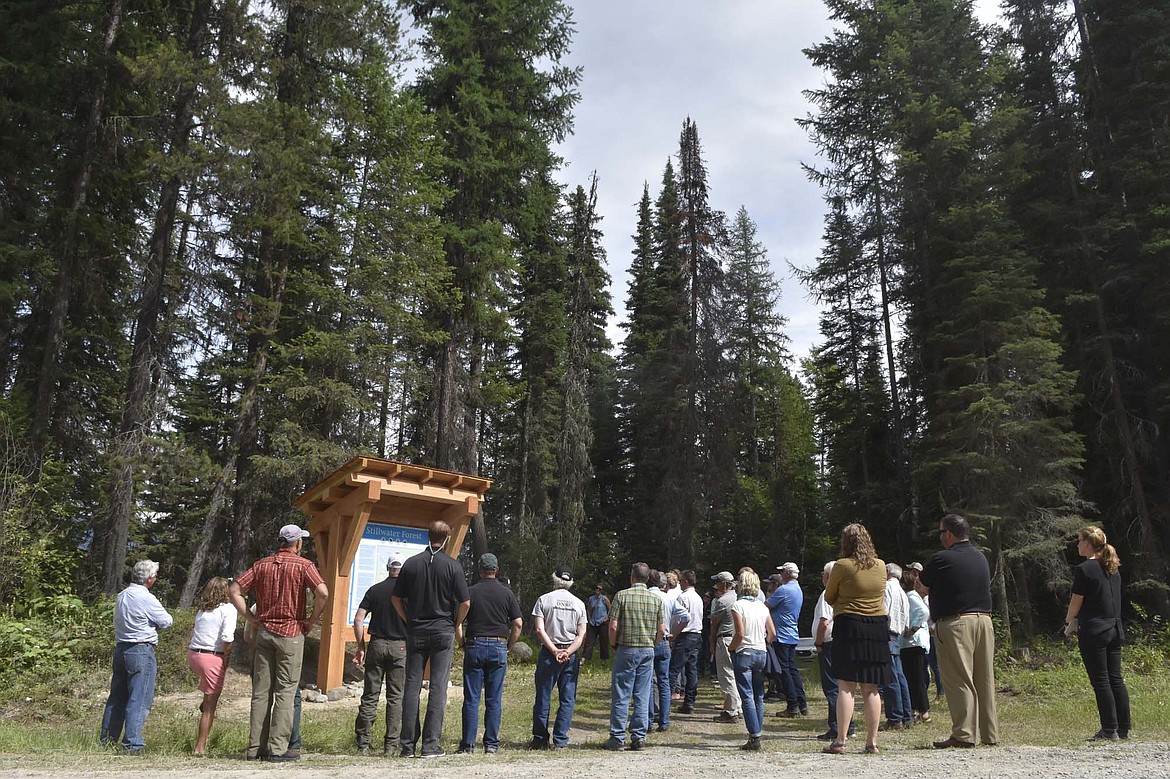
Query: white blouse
214	628
755	618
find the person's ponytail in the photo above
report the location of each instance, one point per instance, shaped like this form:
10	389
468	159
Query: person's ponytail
1106	554
1109	560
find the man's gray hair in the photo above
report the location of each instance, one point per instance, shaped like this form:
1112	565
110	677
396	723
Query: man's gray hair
829	566
560	583
143	571
893	569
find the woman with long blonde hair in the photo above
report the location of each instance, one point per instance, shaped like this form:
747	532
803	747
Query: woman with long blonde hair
210	650
861	634
1094	614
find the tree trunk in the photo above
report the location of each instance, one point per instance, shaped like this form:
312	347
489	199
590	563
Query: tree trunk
999	598
1023	600
907	520
70	264
128	446
211	528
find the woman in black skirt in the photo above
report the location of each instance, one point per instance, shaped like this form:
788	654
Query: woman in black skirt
861	633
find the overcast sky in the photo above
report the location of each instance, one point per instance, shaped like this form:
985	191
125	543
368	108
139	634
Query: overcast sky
736	68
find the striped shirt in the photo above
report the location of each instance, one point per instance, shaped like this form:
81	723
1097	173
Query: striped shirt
638	614
279	582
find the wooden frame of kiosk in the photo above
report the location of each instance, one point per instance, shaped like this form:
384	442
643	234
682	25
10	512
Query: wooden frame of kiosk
372	490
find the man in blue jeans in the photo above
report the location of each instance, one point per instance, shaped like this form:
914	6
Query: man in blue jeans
138	616
660	678
432	599
560	626
896	694
493	625
636	624
687	641
785	603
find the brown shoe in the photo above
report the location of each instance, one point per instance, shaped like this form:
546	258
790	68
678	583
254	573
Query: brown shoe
948	743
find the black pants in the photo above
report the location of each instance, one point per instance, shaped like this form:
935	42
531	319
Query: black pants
599	635
914	666
1102	658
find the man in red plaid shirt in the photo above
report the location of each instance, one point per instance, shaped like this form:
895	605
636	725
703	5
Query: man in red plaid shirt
279	583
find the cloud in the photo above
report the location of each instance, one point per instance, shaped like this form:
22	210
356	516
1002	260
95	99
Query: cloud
736	68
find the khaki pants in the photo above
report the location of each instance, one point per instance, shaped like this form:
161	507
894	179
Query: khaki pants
726	676
276	675
966	659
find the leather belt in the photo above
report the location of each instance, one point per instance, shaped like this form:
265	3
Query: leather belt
207	651
386	638
966	614
488	638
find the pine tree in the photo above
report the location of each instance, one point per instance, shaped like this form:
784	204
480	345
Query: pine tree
755	342
588	311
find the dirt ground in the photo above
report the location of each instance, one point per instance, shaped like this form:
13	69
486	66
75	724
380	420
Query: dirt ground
697	761
694	748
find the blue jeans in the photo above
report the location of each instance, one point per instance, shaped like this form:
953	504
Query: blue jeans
485	663
419	649
563	676
684	665
932	664
749	680
790	676
660	699
131	695
897	694
630	680
831	689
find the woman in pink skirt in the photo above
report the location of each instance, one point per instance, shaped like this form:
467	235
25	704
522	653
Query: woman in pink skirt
210	649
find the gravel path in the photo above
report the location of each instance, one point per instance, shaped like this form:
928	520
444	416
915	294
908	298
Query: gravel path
1132	761
694	748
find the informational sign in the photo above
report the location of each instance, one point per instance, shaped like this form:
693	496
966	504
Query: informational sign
375	548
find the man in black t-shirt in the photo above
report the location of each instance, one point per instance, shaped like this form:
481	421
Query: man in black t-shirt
431	598
384	656
493	625
958	582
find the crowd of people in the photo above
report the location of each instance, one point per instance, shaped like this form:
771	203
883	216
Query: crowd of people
875	627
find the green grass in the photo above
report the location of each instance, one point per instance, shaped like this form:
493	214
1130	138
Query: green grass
1046	703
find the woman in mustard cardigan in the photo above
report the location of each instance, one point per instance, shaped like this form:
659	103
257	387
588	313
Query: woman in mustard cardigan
861	633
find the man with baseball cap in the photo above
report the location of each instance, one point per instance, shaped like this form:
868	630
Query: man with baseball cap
384	657
560	627
493	625
785	603
279	583
722	631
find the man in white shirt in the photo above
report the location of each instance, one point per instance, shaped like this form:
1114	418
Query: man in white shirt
560	628
897	694
687	641
138	616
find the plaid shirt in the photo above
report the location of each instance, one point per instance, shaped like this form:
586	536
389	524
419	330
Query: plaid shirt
280	582
638	614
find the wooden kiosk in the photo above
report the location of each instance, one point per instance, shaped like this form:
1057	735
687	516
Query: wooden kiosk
371	491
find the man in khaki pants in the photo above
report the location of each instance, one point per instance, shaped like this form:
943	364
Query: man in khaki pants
280	583
722	630
958	581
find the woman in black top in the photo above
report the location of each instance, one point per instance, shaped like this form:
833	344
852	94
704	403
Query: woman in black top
1094	614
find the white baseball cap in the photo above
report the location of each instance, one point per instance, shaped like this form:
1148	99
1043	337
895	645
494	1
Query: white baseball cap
290	533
